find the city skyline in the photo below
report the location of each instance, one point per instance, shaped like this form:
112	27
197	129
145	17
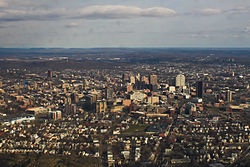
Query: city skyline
84	24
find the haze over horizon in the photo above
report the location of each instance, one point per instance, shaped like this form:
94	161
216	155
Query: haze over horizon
116	23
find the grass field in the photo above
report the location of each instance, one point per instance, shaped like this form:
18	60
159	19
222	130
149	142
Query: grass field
12	160
134	129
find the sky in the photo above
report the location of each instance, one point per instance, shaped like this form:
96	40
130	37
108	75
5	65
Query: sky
119	23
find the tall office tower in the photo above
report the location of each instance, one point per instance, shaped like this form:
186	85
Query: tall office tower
85	84
129	88
109	93
24	84
145	80
101	106
229	96
59	114
50	74
153	79
73	109
125	77
55	115
132	79
138	77
67	99
50	84
35	85
67	104
190	109
67	108
74	97
91	101
199	89
180	80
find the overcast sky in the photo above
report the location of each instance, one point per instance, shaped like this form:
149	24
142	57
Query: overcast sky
119	23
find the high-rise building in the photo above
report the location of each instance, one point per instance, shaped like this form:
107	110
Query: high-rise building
85	84
125	77
129	88
101	106
50	74
132	79
199	89
74	97
67	99
180	80
190	109
138	77
50	84
91	101
109	93
145	80
73	108
172	112
229	96
24	84
55	115
153	99
153	79
67	103
35	85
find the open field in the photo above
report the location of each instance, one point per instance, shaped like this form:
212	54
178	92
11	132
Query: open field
12	160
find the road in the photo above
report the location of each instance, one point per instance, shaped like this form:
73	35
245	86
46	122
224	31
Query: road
158	149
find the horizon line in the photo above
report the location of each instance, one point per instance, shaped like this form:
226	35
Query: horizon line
186	47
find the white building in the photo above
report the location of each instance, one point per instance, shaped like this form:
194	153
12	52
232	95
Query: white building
23	119
180	80
132	79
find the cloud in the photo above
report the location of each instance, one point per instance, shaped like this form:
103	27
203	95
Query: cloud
22	15
40	12
92	12
239	10
71	25
200	35
209	11
236	36
3	3
217	11
33	4
119	11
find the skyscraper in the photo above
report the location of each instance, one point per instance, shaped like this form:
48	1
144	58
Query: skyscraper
50	74
153	79
180	80
229	96
55	115
67	103
109	93
132	79
129	88
199	89
35	85
101	106
138	77
145	80
74	97
125	77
